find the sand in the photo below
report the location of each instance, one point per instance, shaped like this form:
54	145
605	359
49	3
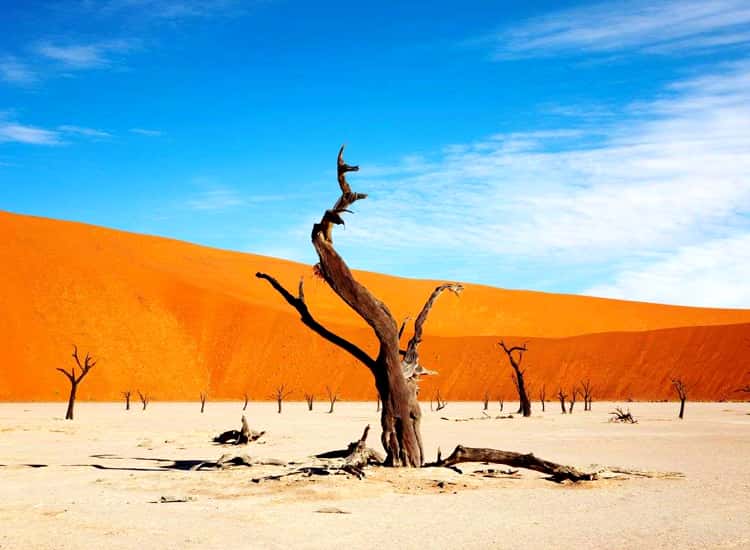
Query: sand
175	319
102	479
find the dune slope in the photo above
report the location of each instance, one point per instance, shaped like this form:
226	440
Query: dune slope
174	319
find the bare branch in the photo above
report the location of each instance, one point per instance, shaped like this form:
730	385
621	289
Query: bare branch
411	357
309	321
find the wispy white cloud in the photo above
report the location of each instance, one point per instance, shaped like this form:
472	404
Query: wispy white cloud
146	132
14	71
714	273
673	174
172	9
672	26
83	131
214	200
84	56
11	132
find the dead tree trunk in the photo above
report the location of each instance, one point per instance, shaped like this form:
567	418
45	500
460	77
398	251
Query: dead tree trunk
501	401
486	400
515	362
126	395
280	394
561	396
396	371
244	407
204	395
309	398
144	399
574	394
681	390
439	400
586	389
542	396
378	407
75	379
332	398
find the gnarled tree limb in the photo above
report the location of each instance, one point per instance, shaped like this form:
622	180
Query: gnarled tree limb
306	317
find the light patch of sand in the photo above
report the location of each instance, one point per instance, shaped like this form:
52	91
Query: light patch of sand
102	480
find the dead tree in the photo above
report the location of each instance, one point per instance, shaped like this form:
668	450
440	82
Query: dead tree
486	400
244	407
204	396
542	396
280	394
310	398
574	393
396	371
332	398
440	404
562	397
501	401
126	395
586	389
515	362
681	389
75	379
144	399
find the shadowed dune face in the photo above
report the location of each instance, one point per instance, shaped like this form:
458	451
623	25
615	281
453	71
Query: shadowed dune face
174	319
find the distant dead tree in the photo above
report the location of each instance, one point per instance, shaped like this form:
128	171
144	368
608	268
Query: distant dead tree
280	394
75	379
126	395
618	415
310	398
440	404
332	398
515	363
562	397
681	389
244	407
204	396
144	399
542	396
574	393
501	402
486	400
587	397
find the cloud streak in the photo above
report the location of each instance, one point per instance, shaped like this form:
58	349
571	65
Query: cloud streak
670	27
11	132
84	56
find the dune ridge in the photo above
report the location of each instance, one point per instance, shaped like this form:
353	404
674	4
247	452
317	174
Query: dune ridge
174	318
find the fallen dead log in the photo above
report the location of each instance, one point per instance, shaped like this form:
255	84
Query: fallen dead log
618	415
557	472
485	417
238	437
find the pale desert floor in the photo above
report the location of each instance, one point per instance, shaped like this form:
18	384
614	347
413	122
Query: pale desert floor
104	474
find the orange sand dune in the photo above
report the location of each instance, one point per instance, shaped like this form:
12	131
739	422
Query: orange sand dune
173	319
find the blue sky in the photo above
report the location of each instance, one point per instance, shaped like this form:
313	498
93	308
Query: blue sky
569	147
